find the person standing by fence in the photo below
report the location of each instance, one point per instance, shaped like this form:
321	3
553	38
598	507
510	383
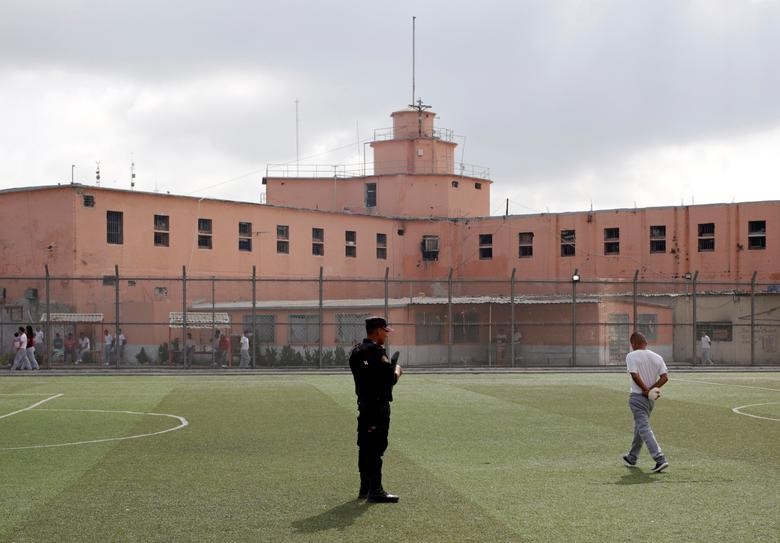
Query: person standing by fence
706	344
108	341
121	340
31	341
84	347
244	350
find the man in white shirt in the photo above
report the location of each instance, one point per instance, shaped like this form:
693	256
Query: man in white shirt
84	347
20	359
121	340
108	341
647	370
706	343
244	351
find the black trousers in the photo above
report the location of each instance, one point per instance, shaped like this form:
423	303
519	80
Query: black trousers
372	429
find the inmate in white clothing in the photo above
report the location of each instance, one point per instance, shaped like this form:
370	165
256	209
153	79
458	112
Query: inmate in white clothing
647	364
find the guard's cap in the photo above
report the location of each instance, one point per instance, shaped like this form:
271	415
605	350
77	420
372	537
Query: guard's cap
372	323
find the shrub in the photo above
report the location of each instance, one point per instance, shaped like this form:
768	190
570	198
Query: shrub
340	356
162	353
142	357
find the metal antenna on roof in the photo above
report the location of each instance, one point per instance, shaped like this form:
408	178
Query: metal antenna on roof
413	55
97	174
132	174
297	141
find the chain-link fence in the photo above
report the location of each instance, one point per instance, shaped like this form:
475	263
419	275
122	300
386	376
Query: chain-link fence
198	321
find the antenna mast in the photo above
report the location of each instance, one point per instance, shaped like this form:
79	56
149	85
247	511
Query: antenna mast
297	146
413	55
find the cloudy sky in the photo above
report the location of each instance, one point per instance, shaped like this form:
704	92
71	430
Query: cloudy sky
570	103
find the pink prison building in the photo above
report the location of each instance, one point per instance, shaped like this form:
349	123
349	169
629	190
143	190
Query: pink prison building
413	216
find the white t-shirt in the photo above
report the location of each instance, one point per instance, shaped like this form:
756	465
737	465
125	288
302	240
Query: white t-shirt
705	342
108	340
647	364
244	343
23	341
84	342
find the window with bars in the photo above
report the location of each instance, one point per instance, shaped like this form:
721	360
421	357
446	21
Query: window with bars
706	237
264	328
568	238
350	328
658	239
282	239
756	235
304	329
526	244
204	234
318	241
350	238
430	247
465	327
381	246
244	236
611	241
428	328
114	227
162	225
485	246
370	194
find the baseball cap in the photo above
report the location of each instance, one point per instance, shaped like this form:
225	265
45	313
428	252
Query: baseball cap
372	323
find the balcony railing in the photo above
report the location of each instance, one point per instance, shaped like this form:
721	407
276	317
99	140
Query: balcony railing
444	134
345	171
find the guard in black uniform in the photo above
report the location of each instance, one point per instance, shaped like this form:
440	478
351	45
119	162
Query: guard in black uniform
375	375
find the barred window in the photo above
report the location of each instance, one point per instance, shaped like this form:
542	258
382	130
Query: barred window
351	243
568	238
611	241
204	234
526	244
245	236
318	241
756	235
658	239
114	227
264	328
304	329
485	246
381	246
350	327
282	239
161	230
706	237
370	194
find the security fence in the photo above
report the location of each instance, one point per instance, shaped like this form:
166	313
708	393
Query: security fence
197	321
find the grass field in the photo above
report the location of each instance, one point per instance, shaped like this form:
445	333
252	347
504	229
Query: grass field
491	457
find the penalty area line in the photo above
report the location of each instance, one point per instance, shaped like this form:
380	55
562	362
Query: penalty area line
182	423
33	406
738	411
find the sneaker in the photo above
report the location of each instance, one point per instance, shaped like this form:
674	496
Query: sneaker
660	466
628	462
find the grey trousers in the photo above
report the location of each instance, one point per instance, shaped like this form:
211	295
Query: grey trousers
20	360
641	407
244	359
31	358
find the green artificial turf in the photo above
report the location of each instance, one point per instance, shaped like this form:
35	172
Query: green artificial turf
490	457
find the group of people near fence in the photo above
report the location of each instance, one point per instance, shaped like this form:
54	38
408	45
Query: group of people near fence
24	348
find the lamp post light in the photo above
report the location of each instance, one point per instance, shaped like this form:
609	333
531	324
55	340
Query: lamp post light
575	278
72	168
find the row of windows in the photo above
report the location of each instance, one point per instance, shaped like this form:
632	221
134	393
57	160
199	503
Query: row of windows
657	240
162	227
430	244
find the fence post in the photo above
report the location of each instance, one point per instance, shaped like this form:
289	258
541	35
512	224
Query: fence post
512	316
387	273
449	318
116	316
574	319
184	315
213	321
47	335
254	317
636	276
753	318
319	339
693	315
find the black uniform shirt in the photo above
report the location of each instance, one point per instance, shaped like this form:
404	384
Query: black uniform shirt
373	372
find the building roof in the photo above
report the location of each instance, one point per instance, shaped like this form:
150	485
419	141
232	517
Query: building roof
72	318
198	320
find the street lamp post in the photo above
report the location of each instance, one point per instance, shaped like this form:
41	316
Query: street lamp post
575	278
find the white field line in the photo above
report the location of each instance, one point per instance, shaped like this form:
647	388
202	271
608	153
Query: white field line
724	384
738	412
33	406
182	423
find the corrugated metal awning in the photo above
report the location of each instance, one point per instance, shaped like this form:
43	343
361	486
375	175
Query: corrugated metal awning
197	319
73	318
